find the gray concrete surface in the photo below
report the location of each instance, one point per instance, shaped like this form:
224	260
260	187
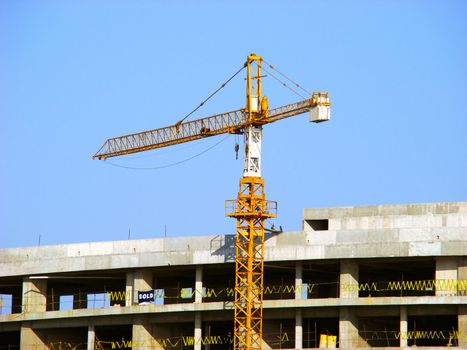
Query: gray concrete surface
436	231
354	232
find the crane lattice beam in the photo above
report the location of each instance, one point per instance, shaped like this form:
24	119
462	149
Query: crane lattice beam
231	122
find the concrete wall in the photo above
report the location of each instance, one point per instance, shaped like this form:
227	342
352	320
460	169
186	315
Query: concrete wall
354	232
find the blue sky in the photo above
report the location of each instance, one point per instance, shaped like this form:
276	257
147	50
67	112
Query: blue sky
73	73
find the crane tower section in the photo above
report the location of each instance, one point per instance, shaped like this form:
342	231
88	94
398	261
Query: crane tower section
251	209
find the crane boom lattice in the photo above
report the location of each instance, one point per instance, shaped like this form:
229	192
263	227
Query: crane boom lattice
226	123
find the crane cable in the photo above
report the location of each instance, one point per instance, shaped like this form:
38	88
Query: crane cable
284	84
286	77
172	164
181	121
209	97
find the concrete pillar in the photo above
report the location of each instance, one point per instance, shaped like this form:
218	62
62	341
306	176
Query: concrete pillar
298	329
462	326
34	295
462	275
298	280
348	279
30	340
403	327
129	288
91	337
199	284
348	329
142	282
142	335
197	333
446	275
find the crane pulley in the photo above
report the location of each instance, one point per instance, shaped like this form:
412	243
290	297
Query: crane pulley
251	208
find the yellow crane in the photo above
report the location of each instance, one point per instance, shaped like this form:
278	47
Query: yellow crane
250	208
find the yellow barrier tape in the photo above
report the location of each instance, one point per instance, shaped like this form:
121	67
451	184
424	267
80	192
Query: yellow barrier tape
452	286
66	346
420	334
188	341
420	285
176	342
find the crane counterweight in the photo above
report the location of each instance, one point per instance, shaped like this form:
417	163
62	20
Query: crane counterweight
321	110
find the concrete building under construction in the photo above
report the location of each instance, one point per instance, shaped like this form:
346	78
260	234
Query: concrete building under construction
354	277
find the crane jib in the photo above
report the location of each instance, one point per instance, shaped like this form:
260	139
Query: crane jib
230	122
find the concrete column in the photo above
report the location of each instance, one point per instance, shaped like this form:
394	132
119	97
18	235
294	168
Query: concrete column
298	329
403	327
199	284
142	282
30	340
91	337
198	334
34	295
348	279
348	329
298	280
129	288
462	275
446	275
142	335
462	326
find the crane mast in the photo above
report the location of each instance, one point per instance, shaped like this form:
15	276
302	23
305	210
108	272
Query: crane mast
253	133
251	208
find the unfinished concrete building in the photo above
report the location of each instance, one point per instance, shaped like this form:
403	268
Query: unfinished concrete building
355	277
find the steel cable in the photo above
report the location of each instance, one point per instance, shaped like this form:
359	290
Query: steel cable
286	77
215	92
172	164
284	84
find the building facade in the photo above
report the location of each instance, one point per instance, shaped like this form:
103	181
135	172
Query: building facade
355	277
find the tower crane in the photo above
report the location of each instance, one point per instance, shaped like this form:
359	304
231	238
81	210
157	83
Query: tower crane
251	208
